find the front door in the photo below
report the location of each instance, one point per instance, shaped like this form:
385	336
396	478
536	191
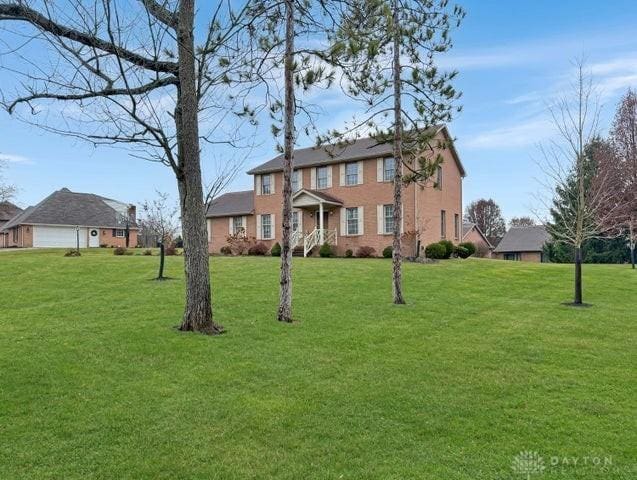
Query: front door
93	237
326	216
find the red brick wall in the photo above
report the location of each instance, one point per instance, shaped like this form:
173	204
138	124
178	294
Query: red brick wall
474	237
107	239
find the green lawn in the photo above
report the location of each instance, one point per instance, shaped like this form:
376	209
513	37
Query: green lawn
484	362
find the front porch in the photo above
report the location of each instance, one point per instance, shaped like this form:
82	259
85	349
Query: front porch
320	206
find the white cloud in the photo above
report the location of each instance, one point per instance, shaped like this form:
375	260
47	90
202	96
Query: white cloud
523	134
10	158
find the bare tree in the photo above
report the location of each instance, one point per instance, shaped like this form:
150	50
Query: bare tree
7	190
523	221
131	74
582	204
160	217
486	214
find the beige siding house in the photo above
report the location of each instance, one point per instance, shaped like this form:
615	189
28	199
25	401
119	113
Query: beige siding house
344	196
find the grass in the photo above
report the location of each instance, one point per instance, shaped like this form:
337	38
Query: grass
484	362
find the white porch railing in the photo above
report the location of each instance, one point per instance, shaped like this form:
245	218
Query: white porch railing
318	237
295	238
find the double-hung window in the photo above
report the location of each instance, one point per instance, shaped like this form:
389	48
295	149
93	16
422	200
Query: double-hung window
352	221
443	224
389	169
439	177
119	232
296	185
388	218
266	186
266	226
321	177
351	173
456	226
237	226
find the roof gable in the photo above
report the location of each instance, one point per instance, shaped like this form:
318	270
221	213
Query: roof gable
523	239
8	210
231	204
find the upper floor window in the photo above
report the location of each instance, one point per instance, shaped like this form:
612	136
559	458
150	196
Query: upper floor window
389	169
388	218
439	177
321	177
266	184
351	173
456	226
352	221
266	226
296	184
443	224
237	226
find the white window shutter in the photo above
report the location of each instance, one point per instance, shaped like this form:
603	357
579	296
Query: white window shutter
343	221
313	178
360	172
257	183
329	176
209	227
258	227
230	229
272	177
272	227
379	170
244	224
361	220
342	170
380	219
300	175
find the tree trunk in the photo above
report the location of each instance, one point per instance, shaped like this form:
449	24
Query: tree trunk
198	309
161	261
578	276
631	243
285	297
398	162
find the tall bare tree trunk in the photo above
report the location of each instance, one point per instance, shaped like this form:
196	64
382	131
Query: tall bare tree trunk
631	241
162	256
285	297
198	309
578	276
398	162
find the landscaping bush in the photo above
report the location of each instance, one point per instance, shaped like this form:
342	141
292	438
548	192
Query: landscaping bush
462	252
240	243
449	247
365	252
326	251
73	253
170	250
119	251
349	253
387	252
258	249
148	252
276	250
226	250
470	247
435	251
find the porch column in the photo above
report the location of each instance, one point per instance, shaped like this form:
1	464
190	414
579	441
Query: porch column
321	234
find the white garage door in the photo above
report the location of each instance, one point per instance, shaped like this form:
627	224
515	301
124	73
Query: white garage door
61	237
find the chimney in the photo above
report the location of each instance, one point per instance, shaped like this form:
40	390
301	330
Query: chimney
132	214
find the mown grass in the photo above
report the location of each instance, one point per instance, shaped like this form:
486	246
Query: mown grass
483	362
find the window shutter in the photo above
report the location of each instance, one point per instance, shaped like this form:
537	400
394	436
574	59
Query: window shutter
272	227
343	221
114	232
360	173
329	176
342	169
258	227
380	219
244	224
379	170
209	228
272	177
300	175
257	183
230	229
313	178
361	220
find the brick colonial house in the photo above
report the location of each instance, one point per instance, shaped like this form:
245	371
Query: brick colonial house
472	233
58	219
524	244
344	197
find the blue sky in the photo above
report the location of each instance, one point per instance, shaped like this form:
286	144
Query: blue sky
513	58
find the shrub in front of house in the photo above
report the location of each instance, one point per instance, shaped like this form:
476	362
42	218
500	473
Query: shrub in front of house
461	252
275	251
349	253
326	251
449	247
148	252
119	251
436	251
240	243
258	249
470	247
387	252
366	252
225	250
73	253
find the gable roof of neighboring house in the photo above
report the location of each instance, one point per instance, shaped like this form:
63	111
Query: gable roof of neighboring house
64	207
8	210
468	226
231	204
523	239
360	149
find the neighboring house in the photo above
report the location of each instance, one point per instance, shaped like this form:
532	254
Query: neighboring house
343	195
7	211
472	233
58	220
523	244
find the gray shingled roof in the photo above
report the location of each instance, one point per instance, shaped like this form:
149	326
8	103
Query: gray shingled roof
8	210
232	203
358	150
64	207
523	239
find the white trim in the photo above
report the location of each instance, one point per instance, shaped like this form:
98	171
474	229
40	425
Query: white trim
342	168
257	187
379	170
329	176
272	184
361	220
230	225
344	222
380	219
272	227
360	172
259	227
312	178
